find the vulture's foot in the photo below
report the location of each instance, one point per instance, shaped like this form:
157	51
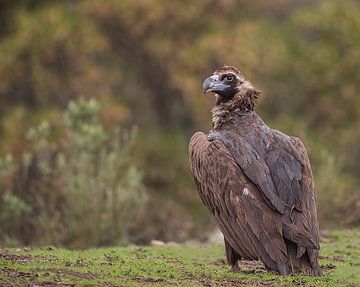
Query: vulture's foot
235	267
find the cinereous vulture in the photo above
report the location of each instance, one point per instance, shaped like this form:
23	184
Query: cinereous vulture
256	181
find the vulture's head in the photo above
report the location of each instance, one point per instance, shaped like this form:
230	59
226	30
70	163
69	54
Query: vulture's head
229	84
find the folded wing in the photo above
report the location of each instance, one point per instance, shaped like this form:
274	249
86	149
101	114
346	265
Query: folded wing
247	192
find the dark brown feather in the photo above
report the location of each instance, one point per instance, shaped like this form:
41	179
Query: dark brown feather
257	182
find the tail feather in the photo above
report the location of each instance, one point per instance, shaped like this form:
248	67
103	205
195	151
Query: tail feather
306	263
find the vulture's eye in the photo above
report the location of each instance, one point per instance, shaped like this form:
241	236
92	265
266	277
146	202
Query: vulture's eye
229	78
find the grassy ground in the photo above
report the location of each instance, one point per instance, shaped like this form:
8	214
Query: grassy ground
170	266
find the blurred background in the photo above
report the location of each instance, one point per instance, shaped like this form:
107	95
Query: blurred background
98	100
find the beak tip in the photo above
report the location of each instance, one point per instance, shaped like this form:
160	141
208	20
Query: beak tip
209	83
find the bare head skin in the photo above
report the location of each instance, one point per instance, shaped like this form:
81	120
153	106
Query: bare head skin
229	85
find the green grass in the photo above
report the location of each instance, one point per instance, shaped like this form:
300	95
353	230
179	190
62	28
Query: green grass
170	266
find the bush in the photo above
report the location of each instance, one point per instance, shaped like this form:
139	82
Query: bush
79	189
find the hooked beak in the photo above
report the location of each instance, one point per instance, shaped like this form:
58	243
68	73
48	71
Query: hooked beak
213	84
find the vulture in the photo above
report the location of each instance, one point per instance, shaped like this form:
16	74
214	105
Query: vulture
256	181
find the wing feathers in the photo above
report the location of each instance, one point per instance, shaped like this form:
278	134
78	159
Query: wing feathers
261	194
223	185
252	165
296	234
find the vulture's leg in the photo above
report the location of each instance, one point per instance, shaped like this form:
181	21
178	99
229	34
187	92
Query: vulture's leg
232	257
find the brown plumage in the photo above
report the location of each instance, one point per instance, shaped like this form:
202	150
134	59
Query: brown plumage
257	182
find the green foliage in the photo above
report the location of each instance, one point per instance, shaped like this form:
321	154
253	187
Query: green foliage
13	210
96	190
7	165
107	189
182	265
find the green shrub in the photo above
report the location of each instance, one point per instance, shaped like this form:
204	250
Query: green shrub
78	190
